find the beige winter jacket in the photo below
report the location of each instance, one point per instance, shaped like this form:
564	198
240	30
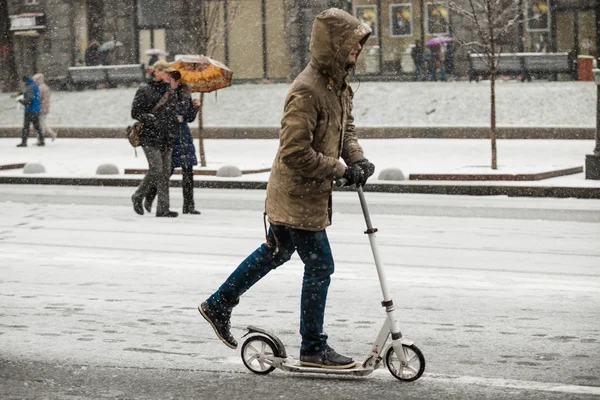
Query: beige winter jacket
44	93
317	128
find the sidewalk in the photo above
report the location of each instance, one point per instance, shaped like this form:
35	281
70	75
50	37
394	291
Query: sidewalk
74	162
376	104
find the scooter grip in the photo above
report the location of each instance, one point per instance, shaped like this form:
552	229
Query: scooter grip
341	182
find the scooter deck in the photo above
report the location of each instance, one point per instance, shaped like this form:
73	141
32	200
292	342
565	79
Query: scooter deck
293	365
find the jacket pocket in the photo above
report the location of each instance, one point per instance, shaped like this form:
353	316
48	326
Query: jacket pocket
308	187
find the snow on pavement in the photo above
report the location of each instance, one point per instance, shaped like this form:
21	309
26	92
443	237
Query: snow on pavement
419	104
498	298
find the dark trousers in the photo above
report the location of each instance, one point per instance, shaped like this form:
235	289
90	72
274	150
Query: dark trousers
157	178
187	183
314	251
32	119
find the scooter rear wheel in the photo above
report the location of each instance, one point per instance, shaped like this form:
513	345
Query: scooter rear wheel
415	363
258	353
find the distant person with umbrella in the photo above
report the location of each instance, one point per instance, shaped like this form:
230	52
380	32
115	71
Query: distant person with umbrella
184	152
155	55
153	59
106	50
437	56
92	54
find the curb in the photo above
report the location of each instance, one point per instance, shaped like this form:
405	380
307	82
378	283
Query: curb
448	189
399	132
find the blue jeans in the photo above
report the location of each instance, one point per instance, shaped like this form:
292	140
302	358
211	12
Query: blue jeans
314	250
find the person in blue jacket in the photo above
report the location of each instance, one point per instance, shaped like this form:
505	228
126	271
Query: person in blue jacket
33	107
184	152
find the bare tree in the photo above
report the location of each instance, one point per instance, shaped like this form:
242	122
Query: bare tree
207	21
492	24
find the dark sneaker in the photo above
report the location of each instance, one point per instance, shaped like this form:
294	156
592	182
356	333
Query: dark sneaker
168	214
22	144
41	143
220	324
328	358
137	205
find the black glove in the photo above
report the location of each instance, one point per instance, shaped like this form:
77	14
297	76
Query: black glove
355	175
147	118
368	167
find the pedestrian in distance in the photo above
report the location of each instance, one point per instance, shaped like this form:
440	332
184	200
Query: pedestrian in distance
184	152
417	56
317	129
31	101
449	61
156	108
92	54
45	94
153	59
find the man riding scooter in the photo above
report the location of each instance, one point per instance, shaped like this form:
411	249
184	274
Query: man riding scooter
316	130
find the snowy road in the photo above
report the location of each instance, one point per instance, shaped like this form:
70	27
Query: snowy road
500	294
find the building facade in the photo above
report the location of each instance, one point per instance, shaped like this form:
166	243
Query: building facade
541	26
259	39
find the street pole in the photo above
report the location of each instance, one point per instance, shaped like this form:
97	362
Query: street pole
592	161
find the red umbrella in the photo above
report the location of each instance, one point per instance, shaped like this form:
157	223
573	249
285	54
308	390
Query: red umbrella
438	40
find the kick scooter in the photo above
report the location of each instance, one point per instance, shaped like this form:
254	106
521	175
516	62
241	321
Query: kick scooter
263	351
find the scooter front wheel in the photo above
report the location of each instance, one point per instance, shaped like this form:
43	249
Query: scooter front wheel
415	363
258	353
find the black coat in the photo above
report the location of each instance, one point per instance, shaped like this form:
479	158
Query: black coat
158	133
184	152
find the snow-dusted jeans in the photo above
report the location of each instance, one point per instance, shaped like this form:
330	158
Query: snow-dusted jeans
314	250
159	172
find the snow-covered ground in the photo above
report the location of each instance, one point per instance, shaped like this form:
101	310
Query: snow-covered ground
81	157
493	290
537	104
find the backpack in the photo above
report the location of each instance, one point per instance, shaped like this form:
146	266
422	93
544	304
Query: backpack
133	131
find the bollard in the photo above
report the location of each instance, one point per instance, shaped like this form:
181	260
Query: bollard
229	171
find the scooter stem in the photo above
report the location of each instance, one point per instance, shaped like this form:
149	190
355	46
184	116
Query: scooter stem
387	302
371	233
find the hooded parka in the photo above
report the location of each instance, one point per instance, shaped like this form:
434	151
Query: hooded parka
317	128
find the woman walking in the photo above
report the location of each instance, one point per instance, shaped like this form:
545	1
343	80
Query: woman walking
184	152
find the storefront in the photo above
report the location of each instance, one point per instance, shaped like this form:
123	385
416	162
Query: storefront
396	26
267	39
575	28
545	26
50	36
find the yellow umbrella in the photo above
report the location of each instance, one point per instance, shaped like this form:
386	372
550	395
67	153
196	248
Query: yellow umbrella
203	74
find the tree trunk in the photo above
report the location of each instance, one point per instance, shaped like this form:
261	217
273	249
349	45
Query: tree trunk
490	14
294	31
201	132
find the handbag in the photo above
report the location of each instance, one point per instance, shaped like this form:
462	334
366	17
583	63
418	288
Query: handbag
133	131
